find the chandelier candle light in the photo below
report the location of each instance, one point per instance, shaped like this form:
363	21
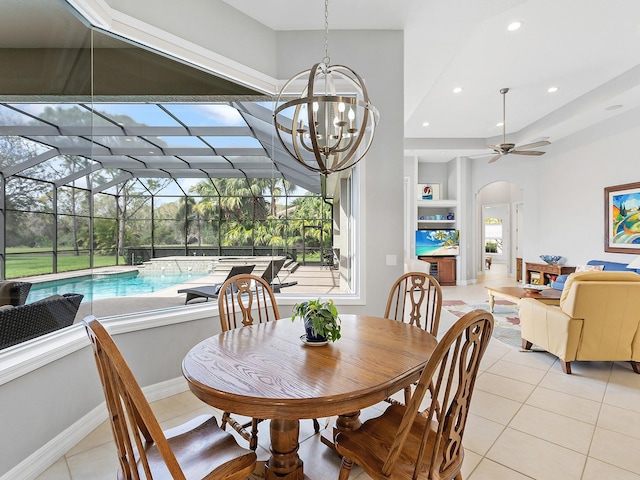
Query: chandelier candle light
329	126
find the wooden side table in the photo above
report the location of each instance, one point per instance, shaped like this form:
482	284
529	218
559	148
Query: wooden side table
544	270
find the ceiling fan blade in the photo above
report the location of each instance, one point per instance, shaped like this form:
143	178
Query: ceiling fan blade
541	143
527	152
493	159
495	148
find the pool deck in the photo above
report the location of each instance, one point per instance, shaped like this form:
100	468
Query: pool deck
312	279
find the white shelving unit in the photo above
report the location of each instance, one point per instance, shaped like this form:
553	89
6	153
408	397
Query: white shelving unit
432	214
426	210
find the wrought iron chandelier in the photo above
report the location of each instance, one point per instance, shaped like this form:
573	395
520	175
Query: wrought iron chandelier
329	126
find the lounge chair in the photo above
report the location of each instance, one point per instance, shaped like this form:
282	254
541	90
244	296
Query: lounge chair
211	291
14	293
271	273
24	322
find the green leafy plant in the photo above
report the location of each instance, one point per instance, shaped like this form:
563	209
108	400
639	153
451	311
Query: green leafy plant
321	316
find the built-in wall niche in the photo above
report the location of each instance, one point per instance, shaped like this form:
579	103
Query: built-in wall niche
435	173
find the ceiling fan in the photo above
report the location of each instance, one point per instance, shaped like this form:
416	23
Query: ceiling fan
508	148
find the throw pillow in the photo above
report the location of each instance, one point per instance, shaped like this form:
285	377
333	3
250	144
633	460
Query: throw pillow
588	268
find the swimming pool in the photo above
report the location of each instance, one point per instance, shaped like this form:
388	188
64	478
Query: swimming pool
101	286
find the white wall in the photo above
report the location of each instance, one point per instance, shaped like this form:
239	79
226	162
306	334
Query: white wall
563	191
381	212
53	399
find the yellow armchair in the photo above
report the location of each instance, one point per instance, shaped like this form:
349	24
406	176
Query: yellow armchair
598	319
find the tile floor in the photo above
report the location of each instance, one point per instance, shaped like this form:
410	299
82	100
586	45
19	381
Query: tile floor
527	420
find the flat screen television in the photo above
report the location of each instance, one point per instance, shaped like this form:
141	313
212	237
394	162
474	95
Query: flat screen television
437	242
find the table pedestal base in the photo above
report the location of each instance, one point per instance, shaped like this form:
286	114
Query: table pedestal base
346	422
284	463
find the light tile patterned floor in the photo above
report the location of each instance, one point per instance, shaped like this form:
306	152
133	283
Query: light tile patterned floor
528	420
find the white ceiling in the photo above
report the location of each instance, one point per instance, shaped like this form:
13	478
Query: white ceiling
589	49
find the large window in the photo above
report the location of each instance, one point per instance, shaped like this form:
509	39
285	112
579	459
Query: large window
104	163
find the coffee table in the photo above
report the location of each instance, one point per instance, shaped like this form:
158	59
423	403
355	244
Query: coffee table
550	296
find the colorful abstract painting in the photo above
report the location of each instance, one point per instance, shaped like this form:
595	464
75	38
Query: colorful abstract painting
622	222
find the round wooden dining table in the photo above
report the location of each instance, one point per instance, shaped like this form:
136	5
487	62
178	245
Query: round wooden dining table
268	371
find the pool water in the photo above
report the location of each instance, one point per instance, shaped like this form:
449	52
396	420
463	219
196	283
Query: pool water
102	286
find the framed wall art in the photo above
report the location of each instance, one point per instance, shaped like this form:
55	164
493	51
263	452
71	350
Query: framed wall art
622	218
428	191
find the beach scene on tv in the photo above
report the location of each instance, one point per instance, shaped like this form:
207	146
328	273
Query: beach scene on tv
434	243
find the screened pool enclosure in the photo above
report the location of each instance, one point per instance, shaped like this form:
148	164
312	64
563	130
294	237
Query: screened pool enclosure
112	154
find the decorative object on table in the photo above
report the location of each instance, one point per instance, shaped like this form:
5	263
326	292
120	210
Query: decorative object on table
622	218
428	191
551	259
530	288
325	129
321	320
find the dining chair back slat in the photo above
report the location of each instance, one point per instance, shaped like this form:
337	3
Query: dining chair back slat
416	298
247	300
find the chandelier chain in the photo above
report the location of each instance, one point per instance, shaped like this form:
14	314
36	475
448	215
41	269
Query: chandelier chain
326	60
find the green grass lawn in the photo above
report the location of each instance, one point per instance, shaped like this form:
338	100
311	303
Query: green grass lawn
26	262
40	263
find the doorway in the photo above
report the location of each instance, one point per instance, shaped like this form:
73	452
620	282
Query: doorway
500	209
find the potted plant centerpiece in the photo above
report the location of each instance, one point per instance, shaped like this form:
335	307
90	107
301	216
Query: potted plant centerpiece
321	320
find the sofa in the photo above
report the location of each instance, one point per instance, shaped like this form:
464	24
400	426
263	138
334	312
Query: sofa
598	319
24	322
560	280
14	293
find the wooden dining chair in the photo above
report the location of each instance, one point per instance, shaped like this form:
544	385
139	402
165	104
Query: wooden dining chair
198	449
415	298
405	443
247	300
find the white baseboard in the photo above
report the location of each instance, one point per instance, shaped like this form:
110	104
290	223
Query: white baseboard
46	456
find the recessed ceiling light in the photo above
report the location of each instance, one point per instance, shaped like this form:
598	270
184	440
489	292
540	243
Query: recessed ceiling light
552	89
457	90
499	124
425	124
513	26
613	107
